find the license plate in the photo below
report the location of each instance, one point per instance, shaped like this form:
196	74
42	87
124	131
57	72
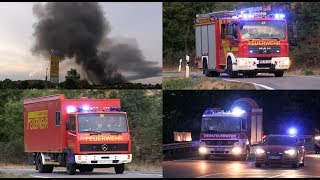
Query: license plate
219	149
264	61
274	157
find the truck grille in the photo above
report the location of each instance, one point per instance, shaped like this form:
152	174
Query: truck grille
220	142
103	147
264	49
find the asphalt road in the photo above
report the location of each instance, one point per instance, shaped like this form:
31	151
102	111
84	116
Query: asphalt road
221	168
95	174
267	81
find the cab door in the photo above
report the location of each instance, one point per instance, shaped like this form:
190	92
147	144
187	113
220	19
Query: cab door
71	132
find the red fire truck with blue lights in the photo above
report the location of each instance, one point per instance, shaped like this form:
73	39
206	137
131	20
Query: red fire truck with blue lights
248	41
230	133
76	133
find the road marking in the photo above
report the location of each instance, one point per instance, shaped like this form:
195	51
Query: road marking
146	174
283	174
210	175
39	176
261	85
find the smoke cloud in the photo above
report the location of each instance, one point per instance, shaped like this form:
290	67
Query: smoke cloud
79	30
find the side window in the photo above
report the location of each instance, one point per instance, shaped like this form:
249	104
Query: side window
73	123
223	31
235	31
68	124
243	124
58	122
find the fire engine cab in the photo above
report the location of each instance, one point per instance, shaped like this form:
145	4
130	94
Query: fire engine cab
248	41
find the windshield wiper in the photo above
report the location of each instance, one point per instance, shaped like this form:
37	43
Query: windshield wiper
116	132
93	132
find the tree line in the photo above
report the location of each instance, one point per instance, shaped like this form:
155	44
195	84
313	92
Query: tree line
143	107
179	33
72	81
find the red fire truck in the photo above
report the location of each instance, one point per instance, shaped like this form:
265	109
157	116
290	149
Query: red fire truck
248	41
76	133
230	133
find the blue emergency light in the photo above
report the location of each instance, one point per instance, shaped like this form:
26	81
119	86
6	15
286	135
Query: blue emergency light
292	131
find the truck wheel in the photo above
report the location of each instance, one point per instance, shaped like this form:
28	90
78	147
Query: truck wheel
119	168
214	74
231	73
41	167
278	74
71	168
206	71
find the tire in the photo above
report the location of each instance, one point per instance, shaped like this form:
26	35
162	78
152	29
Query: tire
257	164
71	168
206	71
119	168
279	74
214	74
41	167
231	73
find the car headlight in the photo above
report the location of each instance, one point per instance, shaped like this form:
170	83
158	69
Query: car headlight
236	150
291	152
259	151
317	138
203	150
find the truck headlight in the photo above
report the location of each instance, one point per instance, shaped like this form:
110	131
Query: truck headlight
317	138
203	150
236	150
260	151
286	62
290	152
241	62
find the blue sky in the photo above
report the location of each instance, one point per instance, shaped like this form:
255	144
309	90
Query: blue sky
138	22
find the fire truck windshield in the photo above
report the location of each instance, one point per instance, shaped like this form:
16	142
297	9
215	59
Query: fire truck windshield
221	124
263	29
102	122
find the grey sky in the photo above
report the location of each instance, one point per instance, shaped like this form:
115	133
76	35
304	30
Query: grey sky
140	22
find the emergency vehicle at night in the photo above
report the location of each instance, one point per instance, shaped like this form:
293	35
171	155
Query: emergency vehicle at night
76	133
230	134
248	41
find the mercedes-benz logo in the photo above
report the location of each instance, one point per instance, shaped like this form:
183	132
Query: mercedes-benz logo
104	147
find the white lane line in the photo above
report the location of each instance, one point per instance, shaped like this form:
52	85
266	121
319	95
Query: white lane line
146	174
39	176
261	85
210	175
283	174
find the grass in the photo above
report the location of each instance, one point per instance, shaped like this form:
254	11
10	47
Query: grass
202	83
176	83
304	71
12	175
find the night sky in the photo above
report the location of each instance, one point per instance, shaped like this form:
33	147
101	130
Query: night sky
282	109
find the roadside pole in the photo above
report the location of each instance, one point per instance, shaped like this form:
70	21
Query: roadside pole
187	66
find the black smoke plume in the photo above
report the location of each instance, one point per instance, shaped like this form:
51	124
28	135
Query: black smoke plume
78	30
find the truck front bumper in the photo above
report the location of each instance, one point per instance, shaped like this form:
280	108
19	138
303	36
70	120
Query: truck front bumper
103	159
253	64
237	150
